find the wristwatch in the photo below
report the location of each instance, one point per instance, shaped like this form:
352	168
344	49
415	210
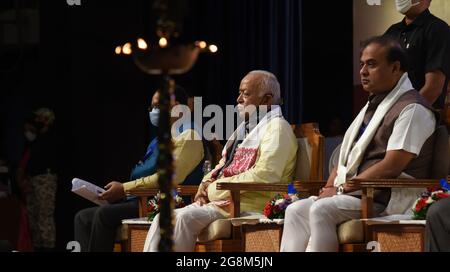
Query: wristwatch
340	190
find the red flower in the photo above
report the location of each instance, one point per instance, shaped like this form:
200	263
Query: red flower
442	195
150	208
434	194
268	209
421	204
273	211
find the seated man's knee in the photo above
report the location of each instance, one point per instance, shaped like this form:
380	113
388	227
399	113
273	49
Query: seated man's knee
319	209
78	218
295	209
103	214
84	217
183	218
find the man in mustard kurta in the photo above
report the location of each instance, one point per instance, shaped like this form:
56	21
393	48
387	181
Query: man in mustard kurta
262	149
95	227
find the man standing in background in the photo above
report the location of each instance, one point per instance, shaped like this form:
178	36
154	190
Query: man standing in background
426	40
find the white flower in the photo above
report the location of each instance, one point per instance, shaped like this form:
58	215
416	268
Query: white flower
430	200
279	201
437	192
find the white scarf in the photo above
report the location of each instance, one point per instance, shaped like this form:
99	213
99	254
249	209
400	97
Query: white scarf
350	157
247	152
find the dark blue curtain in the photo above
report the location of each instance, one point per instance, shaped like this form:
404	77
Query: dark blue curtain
252	34
101	99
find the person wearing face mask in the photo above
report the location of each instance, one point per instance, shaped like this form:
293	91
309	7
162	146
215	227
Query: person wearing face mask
261	151
147	165
37	178
426	40
95	228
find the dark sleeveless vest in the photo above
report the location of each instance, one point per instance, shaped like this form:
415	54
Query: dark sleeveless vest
420	167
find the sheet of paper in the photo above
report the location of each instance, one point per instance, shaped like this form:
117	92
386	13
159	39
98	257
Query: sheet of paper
88	191
137	221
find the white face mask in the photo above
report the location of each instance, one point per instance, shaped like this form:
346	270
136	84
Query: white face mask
30	136
154	116
403	6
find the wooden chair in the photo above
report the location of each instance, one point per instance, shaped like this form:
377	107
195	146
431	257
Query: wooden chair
127	235
221	236
213	151
354	235
392	236
131	237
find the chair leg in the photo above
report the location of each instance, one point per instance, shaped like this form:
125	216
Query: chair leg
352	248
220	246
118	247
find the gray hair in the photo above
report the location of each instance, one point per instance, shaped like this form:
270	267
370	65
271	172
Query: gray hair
268	83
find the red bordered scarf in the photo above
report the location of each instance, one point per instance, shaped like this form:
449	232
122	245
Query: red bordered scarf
247	152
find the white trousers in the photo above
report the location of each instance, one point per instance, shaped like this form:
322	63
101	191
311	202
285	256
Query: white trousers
316	221
189	222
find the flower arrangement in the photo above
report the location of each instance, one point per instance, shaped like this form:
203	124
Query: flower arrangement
427	198
276	207
154	205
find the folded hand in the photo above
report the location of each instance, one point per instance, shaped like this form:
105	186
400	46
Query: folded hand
114	192
202	194
327	192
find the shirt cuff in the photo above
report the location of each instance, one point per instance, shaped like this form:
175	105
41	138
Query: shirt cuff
127	186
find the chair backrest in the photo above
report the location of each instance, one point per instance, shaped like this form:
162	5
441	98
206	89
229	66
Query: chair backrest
441	154
213	151
332	148
310	152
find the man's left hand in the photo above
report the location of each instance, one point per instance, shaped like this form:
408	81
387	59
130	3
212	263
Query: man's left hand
202	194
114	192
327	192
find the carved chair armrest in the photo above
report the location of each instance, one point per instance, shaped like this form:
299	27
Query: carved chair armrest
309	187
394	183
236	188
252	186
187	190
143	194
369	185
